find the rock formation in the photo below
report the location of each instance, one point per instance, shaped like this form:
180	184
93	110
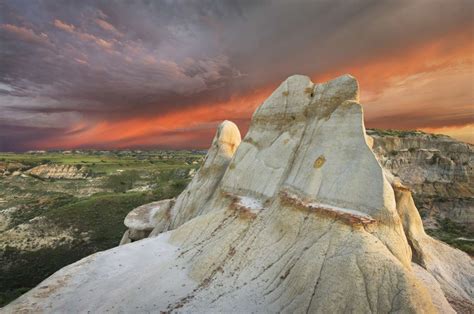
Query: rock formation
143	219
166	215
202	187
302	219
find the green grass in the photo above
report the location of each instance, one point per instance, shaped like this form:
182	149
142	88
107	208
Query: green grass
102	215
39	205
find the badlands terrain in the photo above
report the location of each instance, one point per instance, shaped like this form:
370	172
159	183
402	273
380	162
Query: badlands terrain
307	213
58	207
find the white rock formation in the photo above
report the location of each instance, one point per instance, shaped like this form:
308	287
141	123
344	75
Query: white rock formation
166	215
304	219
190	203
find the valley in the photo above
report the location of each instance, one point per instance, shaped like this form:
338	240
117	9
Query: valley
51	218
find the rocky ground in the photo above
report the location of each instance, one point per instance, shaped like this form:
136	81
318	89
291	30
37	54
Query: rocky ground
56	207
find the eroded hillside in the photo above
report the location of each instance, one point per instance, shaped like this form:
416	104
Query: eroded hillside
440	172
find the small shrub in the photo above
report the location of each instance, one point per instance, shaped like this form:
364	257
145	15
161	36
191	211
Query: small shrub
122	182
180	184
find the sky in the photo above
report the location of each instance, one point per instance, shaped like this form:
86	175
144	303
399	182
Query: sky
164	74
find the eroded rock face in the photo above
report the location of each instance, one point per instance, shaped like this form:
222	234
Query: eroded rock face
438	169
39	233
54	171
452	268
303	219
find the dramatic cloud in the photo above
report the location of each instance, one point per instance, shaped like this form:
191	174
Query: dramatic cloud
164	73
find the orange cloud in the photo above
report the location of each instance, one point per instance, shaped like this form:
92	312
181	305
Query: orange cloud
82	35
426	87
376	74
191	128
64	26
24	33
108	27
463	133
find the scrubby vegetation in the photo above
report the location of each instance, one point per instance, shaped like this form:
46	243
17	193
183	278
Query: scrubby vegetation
454	234
90	210
123	181
400	133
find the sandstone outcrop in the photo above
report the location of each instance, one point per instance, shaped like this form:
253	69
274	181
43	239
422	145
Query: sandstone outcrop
58	171
302	219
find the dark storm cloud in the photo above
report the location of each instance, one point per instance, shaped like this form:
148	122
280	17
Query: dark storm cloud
14	137
122	58
116	60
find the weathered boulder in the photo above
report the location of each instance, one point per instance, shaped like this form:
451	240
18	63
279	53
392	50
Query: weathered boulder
436	293
303	219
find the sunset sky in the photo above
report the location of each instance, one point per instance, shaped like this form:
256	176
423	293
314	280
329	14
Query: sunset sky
163	74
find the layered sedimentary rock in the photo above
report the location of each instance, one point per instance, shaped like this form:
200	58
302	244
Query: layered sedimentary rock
302	219
53	171
437	168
